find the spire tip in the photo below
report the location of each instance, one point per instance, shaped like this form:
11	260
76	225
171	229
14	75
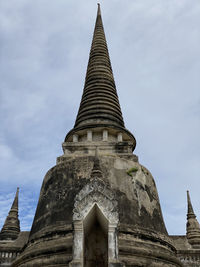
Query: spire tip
190	207
99	9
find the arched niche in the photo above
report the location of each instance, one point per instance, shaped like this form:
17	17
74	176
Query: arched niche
95	206
95	238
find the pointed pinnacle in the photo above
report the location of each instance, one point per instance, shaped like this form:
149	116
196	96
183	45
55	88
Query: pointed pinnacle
15	202
192	226
99	9
96	170
190	212
11	227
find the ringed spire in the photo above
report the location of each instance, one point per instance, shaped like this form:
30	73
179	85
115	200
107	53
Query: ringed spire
192	227
11	227
99	106
99	101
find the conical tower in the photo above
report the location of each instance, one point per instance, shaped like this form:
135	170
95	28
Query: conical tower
98	209
99	110
99	104
193	228
11	227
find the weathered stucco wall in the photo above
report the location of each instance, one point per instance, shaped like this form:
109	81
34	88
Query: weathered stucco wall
132	184
142	235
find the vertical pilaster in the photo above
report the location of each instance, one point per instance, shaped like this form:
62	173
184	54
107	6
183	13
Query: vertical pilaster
75	138
89	135
105	135
78	245
112	243
119	137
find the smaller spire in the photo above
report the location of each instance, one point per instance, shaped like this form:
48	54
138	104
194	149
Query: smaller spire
11	227
193	228
96	171
190	213
15	202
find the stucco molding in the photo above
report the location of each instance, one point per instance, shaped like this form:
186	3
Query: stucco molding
96	192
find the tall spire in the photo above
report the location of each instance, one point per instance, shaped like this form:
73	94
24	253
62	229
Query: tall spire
193	228
11	227
190	213
99	105
99	101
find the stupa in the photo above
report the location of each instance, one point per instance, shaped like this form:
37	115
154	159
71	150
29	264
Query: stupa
98	205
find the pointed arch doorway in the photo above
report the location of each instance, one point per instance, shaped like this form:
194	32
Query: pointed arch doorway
95	227
95	220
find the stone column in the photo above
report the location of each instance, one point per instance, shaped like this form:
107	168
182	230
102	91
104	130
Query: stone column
113	246
78	245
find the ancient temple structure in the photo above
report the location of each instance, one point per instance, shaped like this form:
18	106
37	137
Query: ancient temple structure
12	239
98	206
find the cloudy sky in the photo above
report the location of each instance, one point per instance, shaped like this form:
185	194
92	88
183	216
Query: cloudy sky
154	49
